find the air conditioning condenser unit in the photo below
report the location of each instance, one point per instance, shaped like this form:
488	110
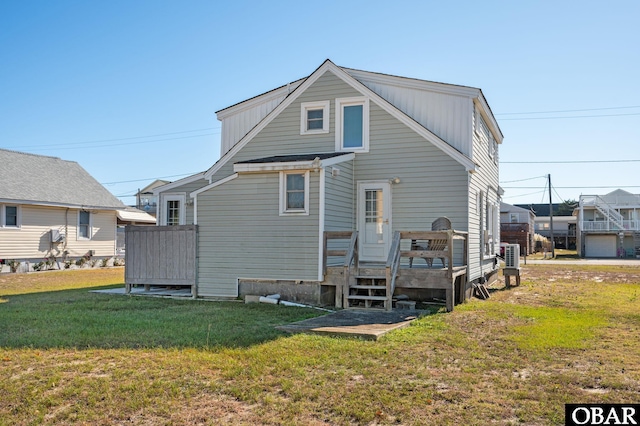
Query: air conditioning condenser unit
512	256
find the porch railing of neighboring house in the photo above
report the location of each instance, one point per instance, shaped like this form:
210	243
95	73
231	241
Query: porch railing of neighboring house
605	225
515	227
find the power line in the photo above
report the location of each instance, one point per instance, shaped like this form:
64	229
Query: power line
568	110
569	162
569	116
119	139
145	179
574	187
128	143
522	180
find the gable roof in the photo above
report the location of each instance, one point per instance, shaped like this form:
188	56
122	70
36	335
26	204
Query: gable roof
41	180
360	87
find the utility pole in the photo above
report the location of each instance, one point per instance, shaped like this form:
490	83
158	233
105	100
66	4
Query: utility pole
553	243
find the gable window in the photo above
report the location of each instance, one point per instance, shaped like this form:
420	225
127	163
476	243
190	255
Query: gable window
514	217
173	209
352	124
10	217
294	193
314	117
84	225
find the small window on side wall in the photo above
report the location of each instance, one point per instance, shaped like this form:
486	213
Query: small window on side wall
294	193
174	212
314	117
84	225
10	217
352	124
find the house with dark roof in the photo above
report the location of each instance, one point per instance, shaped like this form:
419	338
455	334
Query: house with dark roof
382	159
53	208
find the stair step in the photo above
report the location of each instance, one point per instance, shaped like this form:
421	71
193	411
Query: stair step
371	277
357	297
368	287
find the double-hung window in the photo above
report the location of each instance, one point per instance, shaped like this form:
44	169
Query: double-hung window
84	225
352	124
314	117
294	192
10	217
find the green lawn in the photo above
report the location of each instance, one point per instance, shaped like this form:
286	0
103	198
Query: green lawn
567	334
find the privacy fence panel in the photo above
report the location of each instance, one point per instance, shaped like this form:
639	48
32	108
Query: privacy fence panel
161	255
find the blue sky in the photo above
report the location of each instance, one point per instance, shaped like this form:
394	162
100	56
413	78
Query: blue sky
129	89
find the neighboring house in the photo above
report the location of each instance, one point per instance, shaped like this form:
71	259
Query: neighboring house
53	208
564	230
564	223
340	150
146	200
517	226
609	225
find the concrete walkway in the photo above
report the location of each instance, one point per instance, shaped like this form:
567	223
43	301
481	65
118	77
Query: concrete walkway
354	323
618	262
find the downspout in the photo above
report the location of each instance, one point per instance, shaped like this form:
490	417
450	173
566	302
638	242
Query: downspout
321	218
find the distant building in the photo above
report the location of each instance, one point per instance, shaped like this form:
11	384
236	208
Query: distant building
517	227
609	225
145	200
564	223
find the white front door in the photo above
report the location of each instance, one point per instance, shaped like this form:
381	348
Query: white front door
374	220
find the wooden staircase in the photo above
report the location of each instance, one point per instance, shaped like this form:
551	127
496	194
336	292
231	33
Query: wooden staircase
369	292
636	242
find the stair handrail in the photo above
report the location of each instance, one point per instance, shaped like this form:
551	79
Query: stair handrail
611	214
350	258
393	263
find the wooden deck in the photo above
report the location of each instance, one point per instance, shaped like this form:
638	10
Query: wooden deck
371	285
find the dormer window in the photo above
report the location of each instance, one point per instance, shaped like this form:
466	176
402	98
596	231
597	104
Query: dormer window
314	117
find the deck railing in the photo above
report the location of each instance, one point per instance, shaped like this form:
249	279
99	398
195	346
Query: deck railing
391	269
452	236
350	255
606	225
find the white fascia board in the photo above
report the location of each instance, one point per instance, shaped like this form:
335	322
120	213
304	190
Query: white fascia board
468	164
60	205
291	165
178	183
355	84
412	83
262	124
195	193
485	110
257	100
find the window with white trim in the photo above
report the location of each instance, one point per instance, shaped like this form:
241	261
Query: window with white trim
314	117
173	209
84	225
352	124
294	192
10	216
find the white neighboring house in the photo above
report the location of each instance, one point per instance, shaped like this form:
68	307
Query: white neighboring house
609	225
51	207
340	150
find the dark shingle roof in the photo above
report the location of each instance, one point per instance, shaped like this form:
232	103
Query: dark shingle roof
292	158
37	179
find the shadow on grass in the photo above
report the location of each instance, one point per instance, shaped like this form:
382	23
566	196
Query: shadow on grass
80	319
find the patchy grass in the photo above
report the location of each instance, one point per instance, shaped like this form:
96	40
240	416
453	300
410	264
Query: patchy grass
567	334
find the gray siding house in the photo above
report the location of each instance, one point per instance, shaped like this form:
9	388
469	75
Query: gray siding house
340	150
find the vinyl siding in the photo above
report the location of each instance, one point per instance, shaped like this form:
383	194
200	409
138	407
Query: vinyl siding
32	240
242	235
485	180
